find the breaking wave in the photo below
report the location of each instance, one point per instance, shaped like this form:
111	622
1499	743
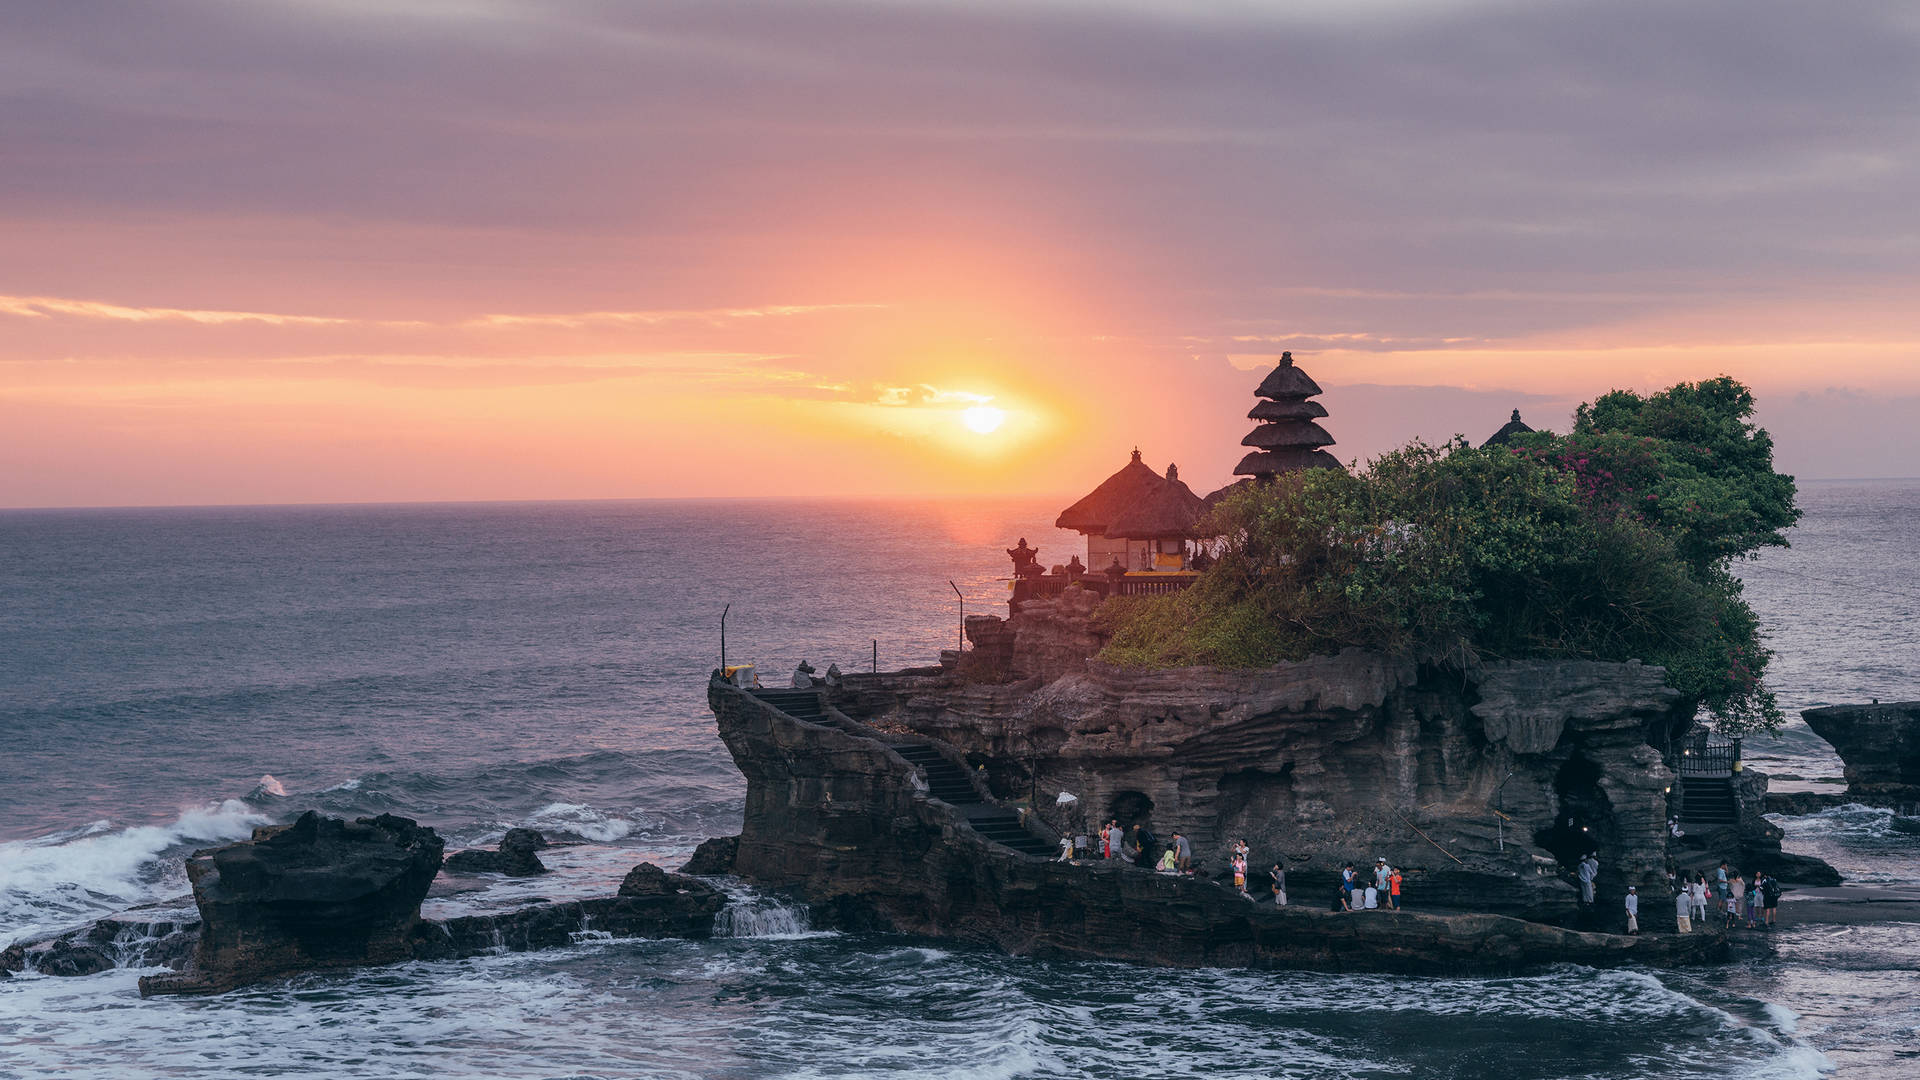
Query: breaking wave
53	882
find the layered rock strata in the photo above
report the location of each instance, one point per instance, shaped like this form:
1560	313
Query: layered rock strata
845	823
1880	745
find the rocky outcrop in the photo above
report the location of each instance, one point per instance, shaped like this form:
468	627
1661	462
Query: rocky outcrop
1880	745
845	823
1485	787
713	857
515	857
122	941
319	893
651	903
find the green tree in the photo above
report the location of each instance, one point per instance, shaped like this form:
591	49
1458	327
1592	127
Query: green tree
1611	543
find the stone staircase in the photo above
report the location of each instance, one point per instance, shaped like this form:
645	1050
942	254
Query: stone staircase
945	781
1707	802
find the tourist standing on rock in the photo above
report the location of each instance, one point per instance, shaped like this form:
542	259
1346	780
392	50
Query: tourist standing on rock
1753	902
1380	872
1279	877
1347	882
1683	911
1240	874
1720	882
1169	863
1589	869
1736	895
1117	841
1633	909
1697	894
1182	851
1393	889
1769	901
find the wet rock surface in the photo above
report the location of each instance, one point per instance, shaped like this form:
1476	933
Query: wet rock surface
318	893
1880	744
713	857
651	903
515	856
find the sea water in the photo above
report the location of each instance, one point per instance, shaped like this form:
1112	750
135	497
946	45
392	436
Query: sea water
170	679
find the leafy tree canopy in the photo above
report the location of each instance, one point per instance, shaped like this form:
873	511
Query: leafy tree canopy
1609	543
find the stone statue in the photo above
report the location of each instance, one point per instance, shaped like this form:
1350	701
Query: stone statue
1026	560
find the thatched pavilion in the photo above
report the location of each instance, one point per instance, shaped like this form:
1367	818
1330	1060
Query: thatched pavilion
1138	518
1507	432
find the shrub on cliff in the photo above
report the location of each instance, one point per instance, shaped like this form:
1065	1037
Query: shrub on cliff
1611	543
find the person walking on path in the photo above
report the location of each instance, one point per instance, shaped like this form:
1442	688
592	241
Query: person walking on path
1697	893
1279	877
1683	911
1393	889
1633	909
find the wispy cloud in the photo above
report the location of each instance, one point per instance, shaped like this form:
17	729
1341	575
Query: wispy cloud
577	320
42	307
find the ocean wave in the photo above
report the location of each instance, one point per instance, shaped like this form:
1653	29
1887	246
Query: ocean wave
583	821
52	882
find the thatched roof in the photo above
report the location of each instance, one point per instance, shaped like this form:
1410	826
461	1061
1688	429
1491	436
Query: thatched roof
1507	431
1285	459
1171	511
1287	381
1287	410
1288	433
1132	486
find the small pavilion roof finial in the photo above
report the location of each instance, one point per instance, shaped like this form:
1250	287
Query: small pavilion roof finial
1136	455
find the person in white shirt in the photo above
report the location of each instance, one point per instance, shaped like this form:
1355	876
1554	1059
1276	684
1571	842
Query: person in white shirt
1633	909
1683	910
1373	898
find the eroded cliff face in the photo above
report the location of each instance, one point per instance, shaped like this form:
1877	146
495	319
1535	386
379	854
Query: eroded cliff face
839	819
1485	788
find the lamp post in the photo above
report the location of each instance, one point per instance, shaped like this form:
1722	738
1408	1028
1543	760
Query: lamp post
963	613
723	637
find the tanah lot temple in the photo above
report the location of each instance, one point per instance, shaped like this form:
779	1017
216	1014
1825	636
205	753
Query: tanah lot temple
1142	527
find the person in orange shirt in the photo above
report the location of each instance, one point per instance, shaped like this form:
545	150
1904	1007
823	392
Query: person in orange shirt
1393	889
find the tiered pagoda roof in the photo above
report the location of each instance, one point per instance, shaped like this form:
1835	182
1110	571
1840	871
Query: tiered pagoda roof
1287	438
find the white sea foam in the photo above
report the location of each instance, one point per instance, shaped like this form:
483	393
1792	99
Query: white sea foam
52	882
582	821
269	786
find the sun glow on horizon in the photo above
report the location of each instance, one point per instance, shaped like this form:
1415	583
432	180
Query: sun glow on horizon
983	419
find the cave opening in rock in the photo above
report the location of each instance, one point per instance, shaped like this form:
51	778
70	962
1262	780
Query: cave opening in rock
1585	819
1130	808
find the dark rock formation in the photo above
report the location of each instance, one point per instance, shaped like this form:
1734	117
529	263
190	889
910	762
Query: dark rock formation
319	893
713	857
1880	745
1794	803
515	857
117	942
651	903
847	824
1750	844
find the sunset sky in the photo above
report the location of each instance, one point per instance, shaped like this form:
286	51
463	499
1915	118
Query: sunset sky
316	251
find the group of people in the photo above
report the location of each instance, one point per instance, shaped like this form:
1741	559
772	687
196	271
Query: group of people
1135	845
1358	893
1727	896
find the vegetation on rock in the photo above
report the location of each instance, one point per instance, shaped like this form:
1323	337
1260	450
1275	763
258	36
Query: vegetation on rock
1613	542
